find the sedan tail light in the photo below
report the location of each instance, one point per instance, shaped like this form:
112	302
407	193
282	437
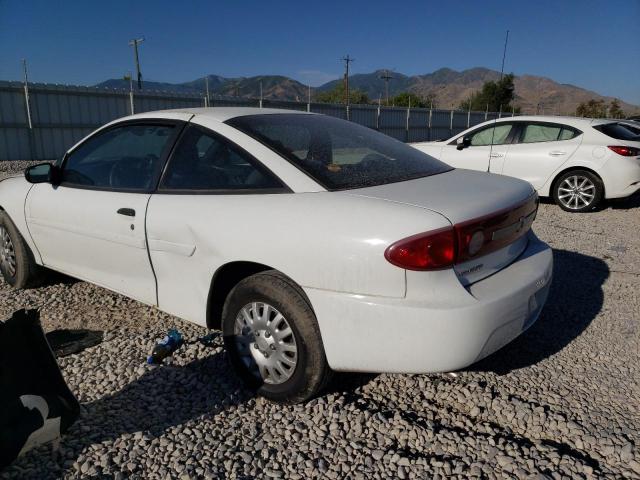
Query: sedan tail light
625	151
446	247
425	251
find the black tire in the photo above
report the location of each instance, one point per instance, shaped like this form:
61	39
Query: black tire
311	372
27	272
597	191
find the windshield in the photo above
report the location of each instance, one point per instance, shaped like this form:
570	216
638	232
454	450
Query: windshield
336	153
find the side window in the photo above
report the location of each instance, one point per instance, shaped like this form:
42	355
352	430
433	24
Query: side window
205	161
122	158
498	135
536	132
568	134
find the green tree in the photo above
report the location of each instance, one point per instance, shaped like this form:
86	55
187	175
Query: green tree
592	109
495	95
337	95
615	111
406	99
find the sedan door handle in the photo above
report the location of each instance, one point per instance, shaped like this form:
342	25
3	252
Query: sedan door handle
557	153
127	212
496	155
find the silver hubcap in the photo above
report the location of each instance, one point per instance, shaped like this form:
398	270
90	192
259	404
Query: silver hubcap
7	253
265	342
576	192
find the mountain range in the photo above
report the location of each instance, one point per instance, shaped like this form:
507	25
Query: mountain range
449	87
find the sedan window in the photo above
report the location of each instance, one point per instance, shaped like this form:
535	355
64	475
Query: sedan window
617	131
205	161
338	154
493	135
537	132
121	158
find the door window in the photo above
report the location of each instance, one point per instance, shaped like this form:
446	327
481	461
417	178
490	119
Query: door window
122	158
493	135
205	161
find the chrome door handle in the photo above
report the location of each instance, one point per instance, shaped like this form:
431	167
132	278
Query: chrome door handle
557	153
496	155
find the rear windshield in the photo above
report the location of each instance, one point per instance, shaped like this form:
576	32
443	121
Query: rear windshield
617	131
336	153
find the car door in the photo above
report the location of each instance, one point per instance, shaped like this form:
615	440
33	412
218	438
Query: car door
210	186
91	225
540	149
486	150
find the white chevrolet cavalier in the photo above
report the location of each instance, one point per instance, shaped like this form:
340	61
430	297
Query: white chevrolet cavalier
313	243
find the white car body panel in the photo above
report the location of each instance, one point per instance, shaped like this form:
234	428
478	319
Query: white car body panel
13	195
331	244
207	222
80	233
540	163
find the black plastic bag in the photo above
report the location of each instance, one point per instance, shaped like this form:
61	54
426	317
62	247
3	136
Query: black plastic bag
36	405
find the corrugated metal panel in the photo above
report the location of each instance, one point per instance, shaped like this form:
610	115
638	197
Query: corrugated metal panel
62	115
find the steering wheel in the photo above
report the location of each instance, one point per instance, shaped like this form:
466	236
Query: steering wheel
372	159
132	172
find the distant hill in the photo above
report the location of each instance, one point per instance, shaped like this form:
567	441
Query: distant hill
273	86
450	88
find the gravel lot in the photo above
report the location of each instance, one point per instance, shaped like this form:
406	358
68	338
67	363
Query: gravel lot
561	401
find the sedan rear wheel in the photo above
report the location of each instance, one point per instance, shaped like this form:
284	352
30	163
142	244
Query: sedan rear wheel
578	191
273	339
265	342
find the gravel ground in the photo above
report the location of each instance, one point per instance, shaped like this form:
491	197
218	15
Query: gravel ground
561	401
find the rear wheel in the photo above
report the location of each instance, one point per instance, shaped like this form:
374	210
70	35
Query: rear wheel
18	267
578	191
273	339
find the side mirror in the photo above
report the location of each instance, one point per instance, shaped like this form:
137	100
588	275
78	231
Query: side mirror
41	173
463	142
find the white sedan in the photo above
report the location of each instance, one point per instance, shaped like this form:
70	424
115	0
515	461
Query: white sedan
313	243
577	161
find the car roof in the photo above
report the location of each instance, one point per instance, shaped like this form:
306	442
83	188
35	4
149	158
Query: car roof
578	122
220	114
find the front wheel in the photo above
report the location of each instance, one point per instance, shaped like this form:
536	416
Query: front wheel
273	339
578	191
18	267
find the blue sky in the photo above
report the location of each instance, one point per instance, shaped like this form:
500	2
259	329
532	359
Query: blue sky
592	44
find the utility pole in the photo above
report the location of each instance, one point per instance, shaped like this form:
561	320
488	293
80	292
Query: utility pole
134	43
386	76
347	60
206	86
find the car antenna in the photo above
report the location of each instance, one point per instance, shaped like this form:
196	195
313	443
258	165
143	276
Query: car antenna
495	120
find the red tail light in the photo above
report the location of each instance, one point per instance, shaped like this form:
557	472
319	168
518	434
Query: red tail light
448	246
425	251
625	151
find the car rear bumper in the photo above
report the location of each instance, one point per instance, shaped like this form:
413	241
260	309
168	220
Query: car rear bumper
621	177
418	335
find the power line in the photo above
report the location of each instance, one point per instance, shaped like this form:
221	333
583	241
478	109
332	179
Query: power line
134	43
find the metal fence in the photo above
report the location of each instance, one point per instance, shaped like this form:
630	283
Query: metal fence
41	121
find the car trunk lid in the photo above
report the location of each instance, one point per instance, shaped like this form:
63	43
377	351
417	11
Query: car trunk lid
501	208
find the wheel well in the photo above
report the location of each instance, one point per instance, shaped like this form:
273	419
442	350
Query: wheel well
225	278
571	169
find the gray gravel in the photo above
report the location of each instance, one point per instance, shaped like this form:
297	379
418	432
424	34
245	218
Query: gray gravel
561	401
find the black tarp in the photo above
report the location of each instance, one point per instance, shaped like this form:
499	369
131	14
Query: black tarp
36	405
